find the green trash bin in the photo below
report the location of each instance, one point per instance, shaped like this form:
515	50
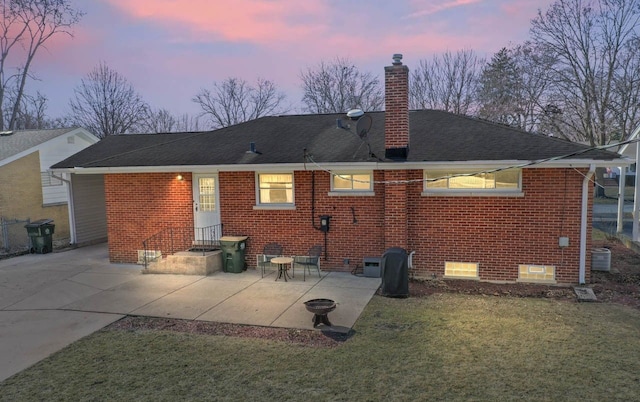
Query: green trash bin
41	234
233	248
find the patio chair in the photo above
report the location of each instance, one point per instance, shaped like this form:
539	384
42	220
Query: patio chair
270	250
312	260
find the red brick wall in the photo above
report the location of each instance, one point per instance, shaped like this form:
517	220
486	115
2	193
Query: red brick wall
497	232
500	233
396	209
294	229
142	204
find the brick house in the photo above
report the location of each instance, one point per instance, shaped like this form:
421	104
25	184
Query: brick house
472	198
27	189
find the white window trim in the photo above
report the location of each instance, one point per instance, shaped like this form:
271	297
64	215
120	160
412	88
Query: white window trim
467	193
479	192
335	192
351	193
272	206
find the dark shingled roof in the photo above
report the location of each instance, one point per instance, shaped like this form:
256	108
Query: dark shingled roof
435	136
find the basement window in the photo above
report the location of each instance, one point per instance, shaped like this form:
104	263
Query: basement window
472	182
537	273
360	183
466	270
275	189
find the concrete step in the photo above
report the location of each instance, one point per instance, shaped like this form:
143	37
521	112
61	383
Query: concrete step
187	263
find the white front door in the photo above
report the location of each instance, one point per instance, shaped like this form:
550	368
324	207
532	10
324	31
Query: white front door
206	205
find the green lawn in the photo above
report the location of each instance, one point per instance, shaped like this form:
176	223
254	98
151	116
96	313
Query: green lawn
444	347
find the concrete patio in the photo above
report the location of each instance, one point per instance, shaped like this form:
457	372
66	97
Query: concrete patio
51	300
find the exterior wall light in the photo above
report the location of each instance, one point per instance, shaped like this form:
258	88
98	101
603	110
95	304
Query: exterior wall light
179	177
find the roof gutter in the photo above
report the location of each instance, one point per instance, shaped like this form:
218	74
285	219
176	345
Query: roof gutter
279	167
583	223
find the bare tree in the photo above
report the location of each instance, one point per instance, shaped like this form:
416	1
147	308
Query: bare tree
25	27
338	86
106	104
626	89
162	121
447	82
187	122
234	101
596	60
32	113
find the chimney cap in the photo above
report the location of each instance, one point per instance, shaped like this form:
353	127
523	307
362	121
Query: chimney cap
397	59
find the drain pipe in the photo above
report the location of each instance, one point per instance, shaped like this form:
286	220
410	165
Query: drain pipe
70	208
583	223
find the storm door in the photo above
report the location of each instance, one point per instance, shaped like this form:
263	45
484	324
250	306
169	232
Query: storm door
206	208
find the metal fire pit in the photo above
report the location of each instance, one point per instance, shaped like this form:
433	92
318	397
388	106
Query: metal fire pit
320	308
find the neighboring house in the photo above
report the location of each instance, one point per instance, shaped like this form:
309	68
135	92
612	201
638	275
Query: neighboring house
473	199
28	190
632	152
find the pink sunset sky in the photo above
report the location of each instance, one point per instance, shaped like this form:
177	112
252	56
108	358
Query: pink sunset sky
170	49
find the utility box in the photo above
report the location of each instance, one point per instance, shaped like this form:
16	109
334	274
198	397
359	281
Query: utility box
601	259
233	249
371	267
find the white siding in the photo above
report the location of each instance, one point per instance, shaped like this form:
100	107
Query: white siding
56	150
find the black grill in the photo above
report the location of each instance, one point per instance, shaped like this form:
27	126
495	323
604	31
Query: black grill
395	273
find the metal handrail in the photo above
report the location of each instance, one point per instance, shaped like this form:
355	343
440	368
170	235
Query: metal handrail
174	239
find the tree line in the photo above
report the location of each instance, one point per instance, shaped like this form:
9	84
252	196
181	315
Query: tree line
576	77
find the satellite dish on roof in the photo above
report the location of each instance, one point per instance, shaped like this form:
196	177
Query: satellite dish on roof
355	114
363	126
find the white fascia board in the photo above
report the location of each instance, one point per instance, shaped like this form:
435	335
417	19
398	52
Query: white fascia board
285	167
84	134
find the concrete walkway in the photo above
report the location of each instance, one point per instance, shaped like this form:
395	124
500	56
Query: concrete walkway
49	301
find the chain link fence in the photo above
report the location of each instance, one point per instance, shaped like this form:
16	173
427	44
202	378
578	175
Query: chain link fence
13	237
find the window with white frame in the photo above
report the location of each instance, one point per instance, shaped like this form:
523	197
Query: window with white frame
352	182
466	180
275	188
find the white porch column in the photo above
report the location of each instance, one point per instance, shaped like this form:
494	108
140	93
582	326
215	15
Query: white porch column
636	196
621	188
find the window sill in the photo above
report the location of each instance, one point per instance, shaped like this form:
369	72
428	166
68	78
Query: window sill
540	281
275	207
473	278
351	194
449	193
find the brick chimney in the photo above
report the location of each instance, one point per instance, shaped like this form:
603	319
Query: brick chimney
396	122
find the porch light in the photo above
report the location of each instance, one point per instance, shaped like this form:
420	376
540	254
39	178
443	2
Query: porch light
179	177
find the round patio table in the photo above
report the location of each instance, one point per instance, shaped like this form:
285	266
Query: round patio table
282	266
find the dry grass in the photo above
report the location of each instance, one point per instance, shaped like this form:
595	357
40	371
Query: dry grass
444	347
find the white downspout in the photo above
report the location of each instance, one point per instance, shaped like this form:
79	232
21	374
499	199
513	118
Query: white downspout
583	222
72	217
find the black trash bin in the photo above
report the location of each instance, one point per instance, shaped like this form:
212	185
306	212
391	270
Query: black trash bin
41	235
395	273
